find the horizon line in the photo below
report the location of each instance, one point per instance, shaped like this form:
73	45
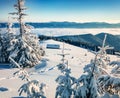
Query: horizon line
60	22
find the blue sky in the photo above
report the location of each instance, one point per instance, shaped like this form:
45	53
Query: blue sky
66	10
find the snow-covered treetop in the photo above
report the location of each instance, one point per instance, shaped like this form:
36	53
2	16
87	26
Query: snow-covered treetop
63	54
103	49
20	14
20	8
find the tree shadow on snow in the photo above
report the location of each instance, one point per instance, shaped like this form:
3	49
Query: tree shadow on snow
19	97
109	96
42	64
5	66
3	89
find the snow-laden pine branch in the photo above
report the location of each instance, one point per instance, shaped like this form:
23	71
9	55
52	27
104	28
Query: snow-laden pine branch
33	88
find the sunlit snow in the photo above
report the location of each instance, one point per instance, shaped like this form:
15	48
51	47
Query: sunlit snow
77	59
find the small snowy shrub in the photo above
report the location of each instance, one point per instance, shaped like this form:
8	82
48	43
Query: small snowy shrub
33	89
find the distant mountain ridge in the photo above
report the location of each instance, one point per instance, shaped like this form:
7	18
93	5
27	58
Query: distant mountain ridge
85	38
67	25
95	40
89	41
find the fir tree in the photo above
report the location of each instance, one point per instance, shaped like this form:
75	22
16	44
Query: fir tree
108	81
65	81
87	86
64	63
33	88
111	82
5	42
26	50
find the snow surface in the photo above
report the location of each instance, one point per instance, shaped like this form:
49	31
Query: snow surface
77	58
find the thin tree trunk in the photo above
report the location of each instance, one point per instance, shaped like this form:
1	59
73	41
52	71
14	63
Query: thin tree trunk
20	18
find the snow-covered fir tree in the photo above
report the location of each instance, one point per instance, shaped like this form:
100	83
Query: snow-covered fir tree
65	81
5	42
111	82
26	49
102	59
33	88
107	81
87	85
64	63
102	54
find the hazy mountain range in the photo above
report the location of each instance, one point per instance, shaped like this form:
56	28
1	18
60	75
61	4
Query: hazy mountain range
67	25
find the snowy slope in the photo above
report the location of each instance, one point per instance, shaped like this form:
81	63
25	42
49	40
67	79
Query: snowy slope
77	58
